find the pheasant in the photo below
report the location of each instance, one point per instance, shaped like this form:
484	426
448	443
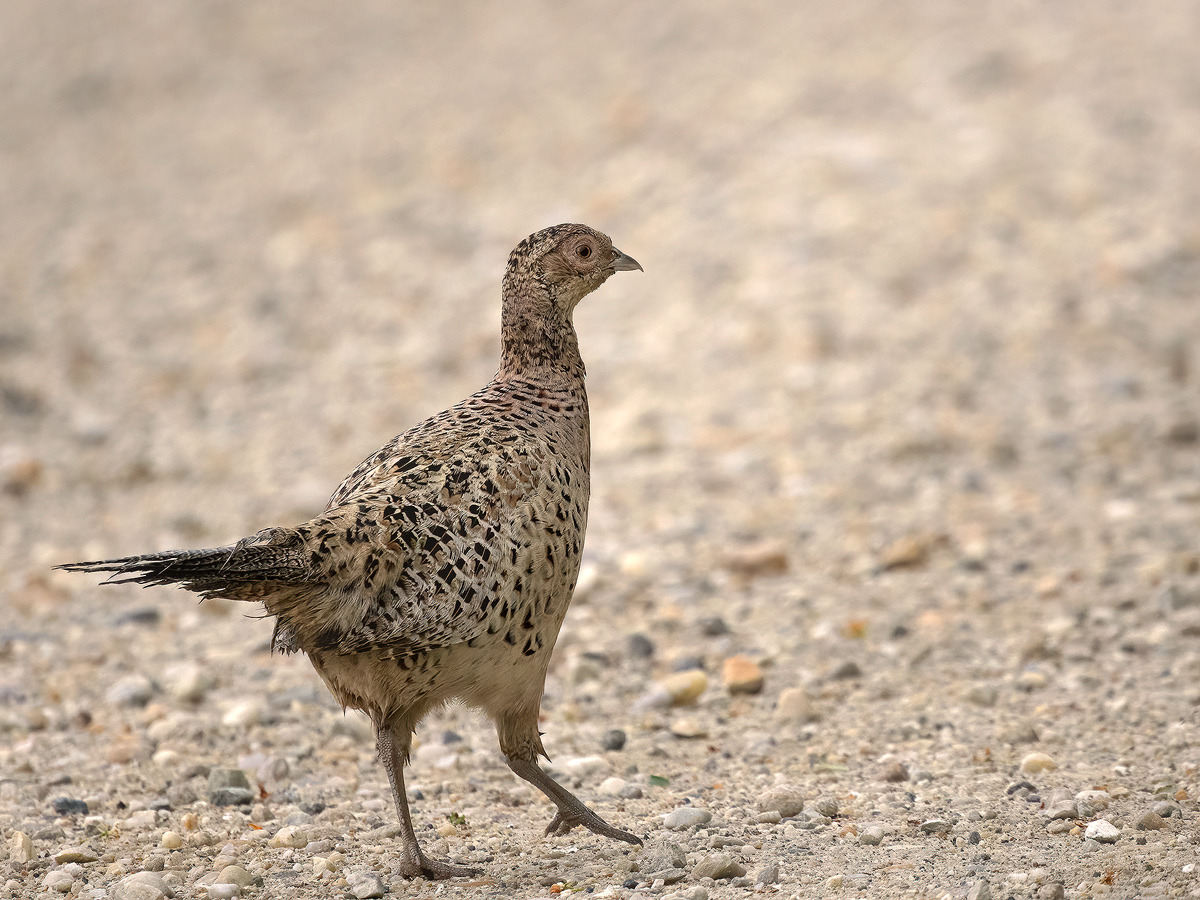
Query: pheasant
444	564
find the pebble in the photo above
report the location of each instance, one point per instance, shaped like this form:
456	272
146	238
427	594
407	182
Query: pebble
1150	821
613	786
768	874
68	806
713	626
1052	891
132	690
229	787
688	727
685	688
795	705
245	713
826	806
187	682
742	675
845	670
613	739
364	885
223	891
233	874
75	855
935	826
1166	809
699	892
58	880
171	840
894	771
984	695
872	835
718	866
786	799
1037	762
639	646
141	886
1064	809
686	817
20	848
754	560
1102	831
980	890
289	836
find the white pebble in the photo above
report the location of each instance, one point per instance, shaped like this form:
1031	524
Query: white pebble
1102	831
171	840
686	817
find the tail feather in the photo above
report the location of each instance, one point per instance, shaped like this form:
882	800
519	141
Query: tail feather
248	570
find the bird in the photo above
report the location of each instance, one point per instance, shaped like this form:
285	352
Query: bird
442	567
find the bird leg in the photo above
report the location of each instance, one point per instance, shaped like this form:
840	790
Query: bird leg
413	861
571	811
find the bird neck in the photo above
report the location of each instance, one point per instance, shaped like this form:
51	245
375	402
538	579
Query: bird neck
538	347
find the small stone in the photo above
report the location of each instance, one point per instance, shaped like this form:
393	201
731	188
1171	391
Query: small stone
229	787
713	626
223	891
235	875
68	806
1150	821
826	806
1166	809
688	727
1102	831
907	552
364	885
935	826
132	690
894	771
613	786
58	880
768	874
613	739
742	675
1018	733
1037	762
1060	809
845	671
685	688
187	682
19	469
1031	680
768	818
245	713
171	840
20	848
290	836
1052	891
639	646
980	890
75	855
872	835
686	817
718	866
786	799
141	886
795	706
755	560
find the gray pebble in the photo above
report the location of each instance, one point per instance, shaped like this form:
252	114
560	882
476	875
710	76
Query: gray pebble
713	626
694	893
132	690
223	891
1150	821
58	880
1063	810
1166	809
1102	831
826	806
786	799
845	670
66	806
980	890
718	866
229	787
364	885
936	826
686	817
640	646
141	886
231	797
613	739
872	835
1052	891
768	874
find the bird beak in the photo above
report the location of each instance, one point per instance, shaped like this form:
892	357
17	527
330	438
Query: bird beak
625	263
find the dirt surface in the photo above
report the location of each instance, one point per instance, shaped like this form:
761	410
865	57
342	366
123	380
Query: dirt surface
903	418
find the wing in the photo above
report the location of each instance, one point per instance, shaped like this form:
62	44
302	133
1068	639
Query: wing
419	549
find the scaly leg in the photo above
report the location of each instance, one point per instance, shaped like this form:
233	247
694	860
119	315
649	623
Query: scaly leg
571	811
413	861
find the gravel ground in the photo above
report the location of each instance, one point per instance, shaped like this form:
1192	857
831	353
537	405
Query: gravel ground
892	585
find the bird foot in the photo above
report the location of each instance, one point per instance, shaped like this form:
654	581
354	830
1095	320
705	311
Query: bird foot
565	820
434	870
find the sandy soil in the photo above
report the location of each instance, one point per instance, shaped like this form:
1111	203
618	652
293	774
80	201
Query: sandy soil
904	412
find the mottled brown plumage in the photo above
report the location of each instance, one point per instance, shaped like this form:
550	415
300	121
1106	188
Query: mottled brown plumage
444	564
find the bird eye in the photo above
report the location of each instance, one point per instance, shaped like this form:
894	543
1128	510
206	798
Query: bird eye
584	252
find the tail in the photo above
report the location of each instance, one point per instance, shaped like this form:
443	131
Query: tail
254	567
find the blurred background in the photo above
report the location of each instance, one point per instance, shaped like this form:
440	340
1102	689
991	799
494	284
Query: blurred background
909	382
